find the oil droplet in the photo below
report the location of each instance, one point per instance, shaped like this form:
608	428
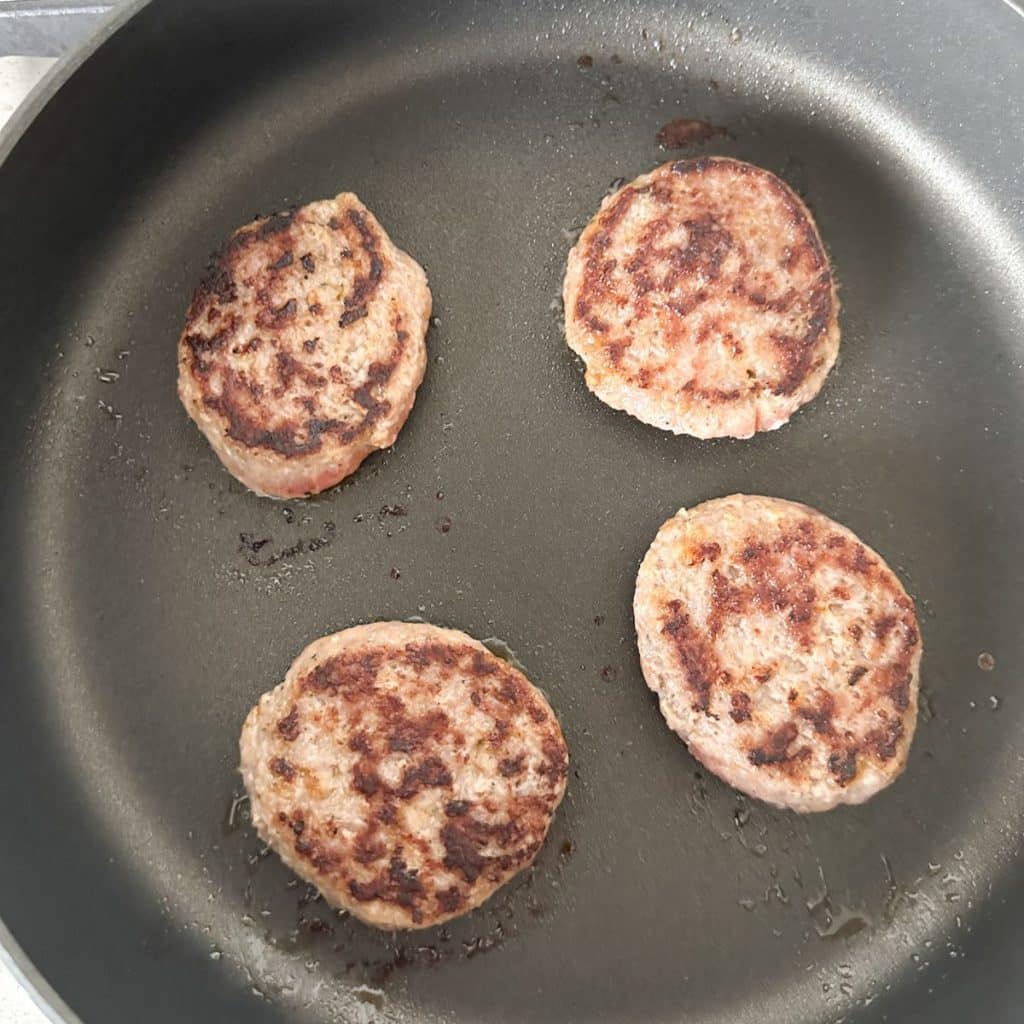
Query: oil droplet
835	922
237	815
986	662
926	702
110	411
500	649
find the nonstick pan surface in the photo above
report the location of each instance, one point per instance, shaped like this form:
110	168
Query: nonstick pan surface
148	599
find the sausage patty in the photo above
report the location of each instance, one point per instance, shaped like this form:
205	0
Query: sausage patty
782	649
403	770
303	346
701	300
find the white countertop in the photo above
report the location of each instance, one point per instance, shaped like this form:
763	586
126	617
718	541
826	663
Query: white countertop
16	1007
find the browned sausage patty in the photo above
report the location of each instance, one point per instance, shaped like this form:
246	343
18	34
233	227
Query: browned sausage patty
783	650
701	300
304	346
403	770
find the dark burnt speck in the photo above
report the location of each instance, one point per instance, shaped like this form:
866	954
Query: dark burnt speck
685	131
350	316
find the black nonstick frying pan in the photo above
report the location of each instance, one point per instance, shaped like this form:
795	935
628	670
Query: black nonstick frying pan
148	599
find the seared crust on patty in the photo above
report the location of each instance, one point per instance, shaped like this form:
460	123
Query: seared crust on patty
403	770
783	650
303	346
701	300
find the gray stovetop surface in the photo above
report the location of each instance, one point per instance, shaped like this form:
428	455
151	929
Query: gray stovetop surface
33	34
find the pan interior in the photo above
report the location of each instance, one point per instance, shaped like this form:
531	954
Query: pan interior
155	599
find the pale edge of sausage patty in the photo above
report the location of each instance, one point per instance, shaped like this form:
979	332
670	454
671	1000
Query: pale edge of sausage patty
404	770
701	299
303	346
783	650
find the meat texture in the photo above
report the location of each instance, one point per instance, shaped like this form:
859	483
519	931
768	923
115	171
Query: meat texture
403	770
783	650
701	300
303	346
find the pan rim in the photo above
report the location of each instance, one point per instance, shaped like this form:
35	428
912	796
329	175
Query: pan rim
25	973
20	965
47	87
12	955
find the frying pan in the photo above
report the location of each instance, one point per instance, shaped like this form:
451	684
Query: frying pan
148	599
